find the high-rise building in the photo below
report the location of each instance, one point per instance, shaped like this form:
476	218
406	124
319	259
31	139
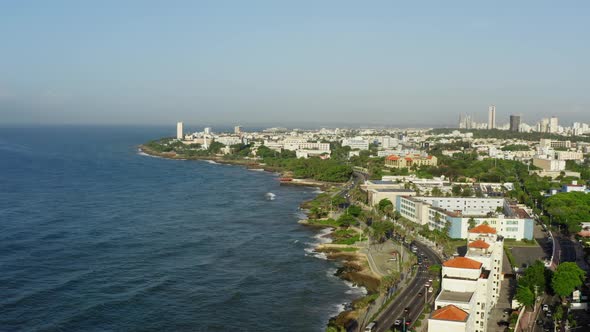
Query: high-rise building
237	130
492	117
515	123
207	130
179	130
553	124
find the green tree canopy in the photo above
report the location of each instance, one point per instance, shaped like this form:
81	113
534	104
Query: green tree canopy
569	209
567	277
525	296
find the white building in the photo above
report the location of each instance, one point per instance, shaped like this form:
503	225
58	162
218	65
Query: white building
470	285
549	164
356	143
569	155
456	213
179	130
492	117
228	140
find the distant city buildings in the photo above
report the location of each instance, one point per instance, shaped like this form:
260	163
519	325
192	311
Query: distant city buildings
515	123
492	117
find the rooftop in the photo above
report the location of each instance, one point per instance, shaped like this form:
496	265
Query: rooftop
483	228
480	244
448	296
462	263
450	312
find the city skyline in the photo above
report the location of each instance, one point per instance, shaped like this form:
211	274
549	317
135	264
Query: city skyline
332	63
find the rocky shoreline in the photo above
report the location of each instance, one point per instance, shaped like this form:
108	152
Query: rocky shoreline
354	264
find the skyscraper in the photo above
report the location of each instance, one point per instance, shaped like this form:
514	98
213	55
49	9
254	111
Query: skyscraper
179	131
492	117
237	130
553	124
515	123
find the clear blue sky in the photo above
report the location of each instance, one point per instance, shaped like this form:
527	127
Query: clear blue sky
317	62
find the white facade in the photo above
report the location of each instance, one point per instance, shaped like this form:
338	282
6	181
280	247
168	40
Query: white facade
228	140
548	164
356	143
569	155
466	205
492	117
470	285
179	130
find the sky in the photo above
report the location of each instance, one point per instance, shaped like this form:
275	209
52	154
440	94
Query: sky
277	62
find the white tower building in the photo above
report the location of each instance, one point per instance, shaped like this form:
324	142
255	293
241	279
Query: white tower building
179	130
492	117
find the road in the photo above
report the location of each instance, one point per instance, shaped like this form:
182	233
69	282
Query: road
409	296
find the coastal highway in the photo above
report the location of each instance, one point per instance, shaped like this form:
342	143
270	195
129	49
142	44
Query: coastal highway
409	296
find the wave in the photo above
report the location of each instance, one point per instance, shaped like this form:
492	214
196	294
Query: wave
212	162
321	238
331	273
317	191
141	153
354	289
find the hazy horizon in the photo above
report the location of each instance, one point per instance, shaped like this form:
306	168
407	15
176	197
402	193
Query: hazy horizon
258	63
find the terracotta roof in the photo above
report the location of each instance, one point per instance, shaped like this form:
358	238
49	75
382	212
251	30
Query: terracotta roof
462	263
408	159
392	158
450	312
481	244
483	228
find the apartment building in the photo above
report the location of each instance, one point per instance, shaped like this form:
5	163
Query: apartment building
470	285
509	220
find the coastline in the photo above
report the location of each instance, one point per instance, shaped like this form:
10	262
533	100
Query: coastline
354	269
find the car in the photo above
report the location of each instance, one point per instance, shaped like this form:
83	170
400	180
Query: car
545	307
420	294
370	327
392	259
548	314
539	322
397	322
430	280
430	289
427	284
408	322
503	323
406	309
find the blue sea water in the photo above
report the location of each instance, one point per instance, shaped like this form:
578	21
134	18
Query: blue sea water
97	237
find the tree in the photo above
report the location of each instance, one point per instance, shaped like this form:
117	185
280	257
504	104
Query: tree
337	201
525	296
384	205
456	190
567	277
471	223
436	192
354	210
534	277
347	220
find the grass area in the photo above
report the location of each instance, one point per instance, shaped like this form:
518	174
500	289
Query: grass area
510	256
345	236
523	243
365	301
323	222
450	246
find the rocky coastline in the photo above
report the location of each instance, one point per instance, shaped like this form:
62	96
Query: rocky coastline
354	267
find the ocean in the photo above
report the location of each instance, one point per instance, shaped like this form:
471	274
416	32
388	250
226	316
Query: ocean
95	236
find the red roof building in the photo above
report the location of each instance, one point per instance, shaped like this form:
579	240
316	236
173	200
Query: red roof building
450	312
479	244
463	263
483	229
